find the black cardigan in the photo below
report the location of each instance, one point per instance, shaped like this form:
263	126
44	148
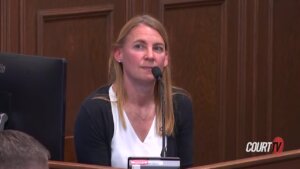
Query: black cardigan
94	129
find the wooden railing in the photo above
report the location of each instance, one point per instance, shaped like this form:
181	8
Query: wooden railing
284	160
73	165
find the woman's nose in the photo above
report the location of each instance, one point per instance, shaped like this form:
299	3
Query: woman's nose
150	53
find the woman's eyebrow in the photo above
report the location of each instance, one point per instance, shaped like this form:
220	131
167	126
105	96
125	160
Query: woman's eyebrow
139	41
159	43
144	42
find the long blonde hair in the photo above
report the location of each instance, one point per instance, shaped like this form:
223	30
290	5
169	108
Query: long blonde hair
116	73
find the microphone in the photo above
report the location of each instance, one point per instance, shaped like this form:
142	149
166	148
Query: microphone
158	76
3	119
163	161
156	73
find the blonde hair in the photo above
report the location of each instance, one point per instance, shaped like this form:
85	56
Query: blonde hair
116	71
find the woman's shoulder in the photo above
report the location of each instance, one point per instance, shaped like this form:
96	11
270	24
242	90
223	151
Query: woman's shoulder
96	108
180	93
101	93
97	99
183	108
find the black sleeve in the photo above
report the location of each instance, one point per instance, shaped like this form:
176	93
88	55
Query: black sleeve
93	133
184	135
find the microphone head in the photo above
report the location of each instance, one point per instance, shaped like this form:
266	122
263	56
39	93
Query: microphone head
156	73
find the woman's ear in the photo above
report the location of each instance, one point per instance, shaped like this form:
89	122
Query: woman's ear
166	62
118	55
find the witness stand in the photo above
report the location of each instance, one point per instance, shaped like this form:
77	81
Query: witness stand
73	165
287	159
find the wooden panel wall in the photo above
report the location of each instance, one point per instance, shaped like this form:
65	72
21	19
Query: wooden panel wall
79	30
285	72
238	59
196	33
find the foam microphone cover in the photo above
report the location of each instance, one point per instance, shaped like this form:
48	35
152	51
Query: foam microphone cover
157	73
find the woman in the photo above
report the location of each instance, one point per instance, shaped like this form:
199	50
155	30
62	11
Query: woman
124	118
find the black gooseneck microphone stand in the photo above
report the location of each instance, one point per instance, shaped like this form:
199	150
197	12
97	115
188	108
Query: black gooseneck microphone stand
158	76
163	128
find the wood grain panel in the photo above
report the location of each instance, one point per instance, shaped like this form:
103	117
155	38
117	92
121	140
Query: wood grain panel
195	34
8	33
286	72
238	58
254	75
3	25
241	78
135	7
81	35
70	154
259	74
80	31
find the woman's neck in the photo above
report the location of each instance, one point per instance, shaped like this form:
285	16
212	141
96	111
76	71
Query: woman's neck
140	94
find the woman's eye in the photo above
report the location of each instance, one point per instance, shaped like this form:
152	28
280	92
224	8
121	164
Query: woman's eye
138	46
159	49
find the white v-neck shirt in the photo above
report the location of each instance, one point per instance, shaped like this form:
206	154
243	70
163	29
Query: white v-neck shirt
125	143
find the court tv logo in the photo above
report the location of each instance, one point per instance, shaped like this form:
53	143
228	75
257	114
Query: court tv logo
266	147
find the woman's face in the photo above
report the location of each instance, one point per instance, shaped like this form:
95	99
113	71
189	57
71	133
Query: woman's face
143	49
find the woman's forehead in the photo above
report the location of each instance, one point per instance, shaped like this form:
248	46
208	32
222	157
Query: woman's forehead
144	33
